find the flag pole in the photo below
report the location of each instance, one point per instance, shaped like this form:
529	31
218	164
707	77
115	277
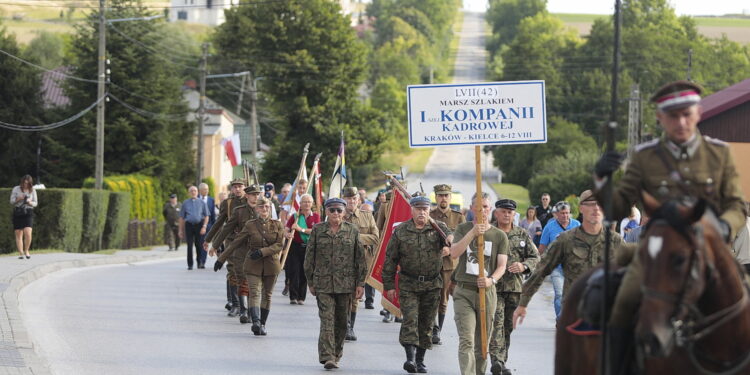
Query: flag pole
293	194
479	218
343	165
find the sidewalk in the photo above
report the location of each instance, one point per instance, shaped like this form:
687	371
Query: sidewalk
17	355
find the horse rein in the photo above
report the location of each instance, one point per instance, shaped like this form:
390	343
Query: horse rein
696	326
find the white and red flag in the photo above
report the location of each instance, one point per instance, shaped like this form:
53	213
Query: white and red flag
232	148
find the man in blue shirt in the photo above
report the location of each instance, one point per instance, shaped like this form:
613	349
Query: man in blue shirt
561	223
193	224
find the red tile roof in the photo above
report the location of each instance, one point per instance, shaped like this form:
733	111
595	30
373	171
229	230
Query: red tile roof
723	100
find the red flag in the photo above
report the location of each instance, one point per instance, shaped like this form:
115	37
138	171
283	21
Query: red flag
398	212
232	148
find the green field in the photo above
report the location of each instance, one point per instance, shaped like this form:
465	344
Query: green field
413	160
516	192
700	21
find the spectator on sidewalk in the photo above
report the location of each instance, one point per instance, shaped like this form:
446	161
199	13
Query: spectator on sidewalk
193	225
532	225
171	212
561	223
544	211
23	198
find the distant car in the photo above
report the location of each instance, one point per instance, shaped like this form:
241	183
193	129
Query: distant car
457	200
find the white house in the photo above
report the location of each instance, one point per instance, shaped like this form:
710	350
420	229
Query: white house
208	12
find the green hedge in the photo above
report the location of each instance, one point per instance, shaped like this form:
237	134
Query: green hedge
7	240
95	205
57	220
146	196
116	227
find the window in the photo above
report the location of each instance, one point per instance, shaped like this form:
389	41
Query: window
182	15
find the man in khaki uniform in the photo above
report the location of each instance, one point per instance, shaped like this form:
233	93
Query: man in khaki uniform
368	237
452	219
236	198
522	259
240	215
682	163
335	268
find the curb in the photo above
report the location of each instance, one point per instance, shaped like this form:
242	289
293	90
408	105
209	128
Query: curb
33	363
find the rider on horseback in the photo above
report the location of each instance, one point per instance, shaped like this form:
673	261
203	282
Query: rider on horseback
682	163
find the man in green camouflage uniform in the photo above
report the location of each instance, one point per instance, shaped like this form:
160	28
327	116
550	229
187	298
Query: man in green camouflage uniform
452	218
335	268
240	215
682	163
522	259
418	249
577	250
236	198
368	236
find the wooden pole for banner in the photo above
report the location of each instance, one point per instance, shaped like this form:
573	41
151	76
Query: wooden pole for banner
286	249
479	215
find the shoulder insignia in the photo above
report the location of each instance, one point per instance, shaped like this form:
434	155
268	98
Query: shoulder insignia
715	141
649	144
456	211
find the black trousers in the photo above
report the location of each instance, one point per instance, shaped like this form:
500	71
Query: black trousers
295	270
193	237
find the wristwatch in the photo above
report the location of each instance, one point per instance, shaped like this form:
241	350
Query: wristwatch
493	280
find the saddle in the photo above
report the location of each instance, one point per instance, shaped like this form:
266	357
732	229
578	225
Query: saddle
589	308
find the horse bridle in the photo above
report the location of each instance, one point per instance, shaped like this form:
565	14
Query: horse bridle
694	326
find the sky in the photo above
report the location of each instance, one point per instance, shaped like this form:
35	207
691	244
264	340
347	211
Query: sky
683	7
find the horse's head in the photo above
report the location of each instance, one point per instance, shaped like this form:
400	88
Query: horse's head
676	269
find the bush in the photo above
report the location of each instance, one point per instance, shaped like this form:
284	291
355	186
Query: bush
562	176
211	186
95	204
57	220
116	227
7	239
146	196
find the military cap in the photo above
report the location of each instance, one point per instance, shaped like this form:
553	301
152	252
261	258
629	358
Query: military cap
420	201
676	95
262	201
254	188
443	189
506	203
238	181
586	195
334	201
173	195
350	192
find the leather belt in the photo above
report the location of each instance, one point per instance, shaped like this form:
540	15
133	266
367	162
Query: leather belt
468	286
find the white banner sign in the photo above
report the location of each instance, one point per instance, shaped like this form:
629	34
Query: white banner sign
489	113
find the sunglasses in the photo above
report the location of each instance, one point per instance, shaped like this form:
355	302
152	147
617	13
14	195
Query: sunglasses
562	205
335	210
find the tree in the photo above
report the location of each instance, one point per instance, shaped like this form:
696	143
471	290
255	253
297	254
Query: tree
143	75
564	175
46	49
20	103
519	163
315	66
505	16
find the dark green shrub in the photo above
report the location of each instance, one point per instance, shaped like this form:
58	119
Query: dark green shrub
7	239
57	220
116	227
95	205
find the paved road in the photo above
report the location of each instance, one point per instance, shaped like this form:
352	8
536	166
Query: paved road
456	164
158	318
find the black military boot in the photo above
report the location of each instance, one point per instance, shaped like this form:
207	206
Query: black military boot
244	319
421	368
498	368
254	313
621	344
350	336
228	306
263	317
235	310
410	366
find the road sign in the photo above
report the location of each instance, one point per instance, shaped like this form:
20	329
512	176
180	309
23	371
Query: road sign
489	113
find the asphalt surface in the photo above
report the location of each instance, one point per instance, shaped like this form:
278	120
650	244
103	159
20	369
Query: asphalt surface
158	318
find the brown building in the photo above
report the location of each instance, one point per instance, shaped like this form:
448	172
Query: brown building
726	116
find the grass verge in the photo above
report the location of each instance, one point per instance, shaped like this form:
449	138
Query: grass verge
414	160
450	62
516	192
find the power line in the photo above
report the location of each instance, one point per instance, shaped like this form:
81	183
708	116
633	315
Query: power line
154	52
158	116
54	125
45	69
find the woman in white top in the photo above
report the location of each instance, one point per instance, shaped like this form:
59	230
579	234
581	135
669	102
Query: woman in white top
23	199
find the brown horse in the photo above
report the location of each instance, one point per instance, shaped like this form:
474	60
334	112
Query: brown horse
695	312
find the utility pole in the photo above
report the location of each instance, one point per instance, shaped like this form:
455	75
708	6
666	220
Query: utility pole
254	119
201	113
99	166
242	91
